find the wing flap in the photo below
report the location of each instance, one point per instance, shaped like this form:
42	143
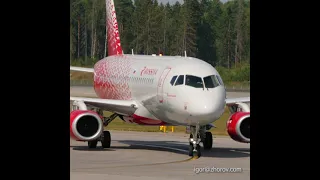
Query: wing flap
125	107
81	69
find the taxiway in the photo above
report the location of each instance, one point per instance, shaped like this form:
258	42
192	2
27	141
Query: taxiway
156	156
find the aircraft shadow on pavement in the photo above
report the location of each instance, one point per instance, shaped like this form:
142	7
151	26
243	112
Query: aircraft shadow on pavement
218	152
165	146
86	148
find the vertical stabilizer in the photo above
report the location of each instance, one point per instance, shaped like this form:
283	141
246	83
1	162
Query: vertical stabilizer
114	45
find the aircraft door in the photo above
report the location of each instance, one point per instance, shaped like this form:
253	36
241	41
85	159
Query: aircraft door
161	84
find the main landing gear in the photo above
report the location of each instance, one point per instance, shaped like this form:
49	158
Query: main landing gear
105	137
199	134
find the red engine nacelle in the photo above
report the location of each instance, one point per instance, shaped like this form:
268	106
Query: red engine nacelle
85	125
238	127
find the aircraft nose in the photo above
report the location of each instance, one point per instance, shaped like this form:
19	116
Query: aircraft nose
207	109
210	104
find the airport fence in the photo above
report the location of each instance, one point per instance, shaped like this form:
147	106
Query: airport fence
230	88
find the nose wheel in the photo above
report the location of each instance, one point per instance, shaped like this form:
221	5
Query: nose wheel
194	152
195	139
194	142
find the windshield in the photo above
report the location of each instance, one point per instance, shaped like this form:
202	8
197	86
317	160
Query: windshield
179	80
220	80
211	81
194	81
173	80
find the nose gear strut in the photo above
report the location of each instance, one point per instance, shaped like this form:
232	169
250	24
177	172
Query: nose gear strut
199	134
194	141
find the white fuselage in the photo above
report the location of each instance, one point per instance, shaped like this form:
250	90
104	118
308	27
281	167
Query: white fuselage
154	82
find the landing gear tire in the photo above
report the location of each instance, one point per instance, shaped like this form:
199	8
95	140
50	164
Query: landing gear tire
106	140
92	144
207	143
193	153
191	149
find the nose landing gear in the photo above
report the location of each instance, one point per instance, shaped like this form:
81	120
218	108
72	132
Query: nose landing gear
194	142
199	134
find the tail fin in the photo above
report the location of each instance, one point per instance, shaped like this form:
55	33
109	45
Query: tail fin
114	45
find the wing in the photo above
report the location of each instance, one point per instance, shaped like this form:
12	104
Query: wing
124	107
231	101
73	68
234	103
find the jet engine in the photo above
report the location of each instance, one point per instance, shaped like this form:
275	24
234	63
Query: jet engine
238	127
85	125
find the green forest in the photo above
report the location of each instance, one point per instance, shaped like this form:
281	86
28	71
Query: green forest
216	32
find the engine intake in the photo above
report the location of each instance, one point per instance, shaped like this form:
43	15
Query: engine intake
238	127
85	125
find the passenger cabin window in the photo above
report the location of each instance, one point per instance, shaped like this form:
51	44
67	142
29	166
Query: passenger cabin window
211	81
173	80
194	81
180	80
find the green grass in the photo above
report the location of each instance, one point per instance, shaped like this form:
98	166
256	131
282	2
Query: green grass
119	125
75	75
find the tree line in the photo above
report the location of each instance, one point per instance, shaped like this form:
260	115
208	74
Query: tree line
216	32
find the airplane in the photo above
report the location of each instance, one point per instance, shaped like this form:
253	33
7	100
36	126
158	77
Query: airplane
153	91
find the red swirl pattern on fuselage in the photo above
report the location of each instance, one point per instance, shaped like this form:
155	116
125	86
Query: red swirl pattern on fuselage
111	78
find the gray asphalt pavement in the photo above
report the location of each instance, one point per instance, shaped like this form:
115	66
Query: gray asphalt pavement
158	156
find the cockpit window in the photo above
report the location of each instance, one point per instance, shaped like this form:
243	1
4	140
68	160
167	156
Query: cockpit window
194	81
220	80
211	81
173	80
179	80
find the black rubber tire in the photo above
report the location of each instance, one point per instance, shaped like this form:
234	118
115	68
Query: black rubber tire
198	151
207	143
106	141
92	144
192	153
190	149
